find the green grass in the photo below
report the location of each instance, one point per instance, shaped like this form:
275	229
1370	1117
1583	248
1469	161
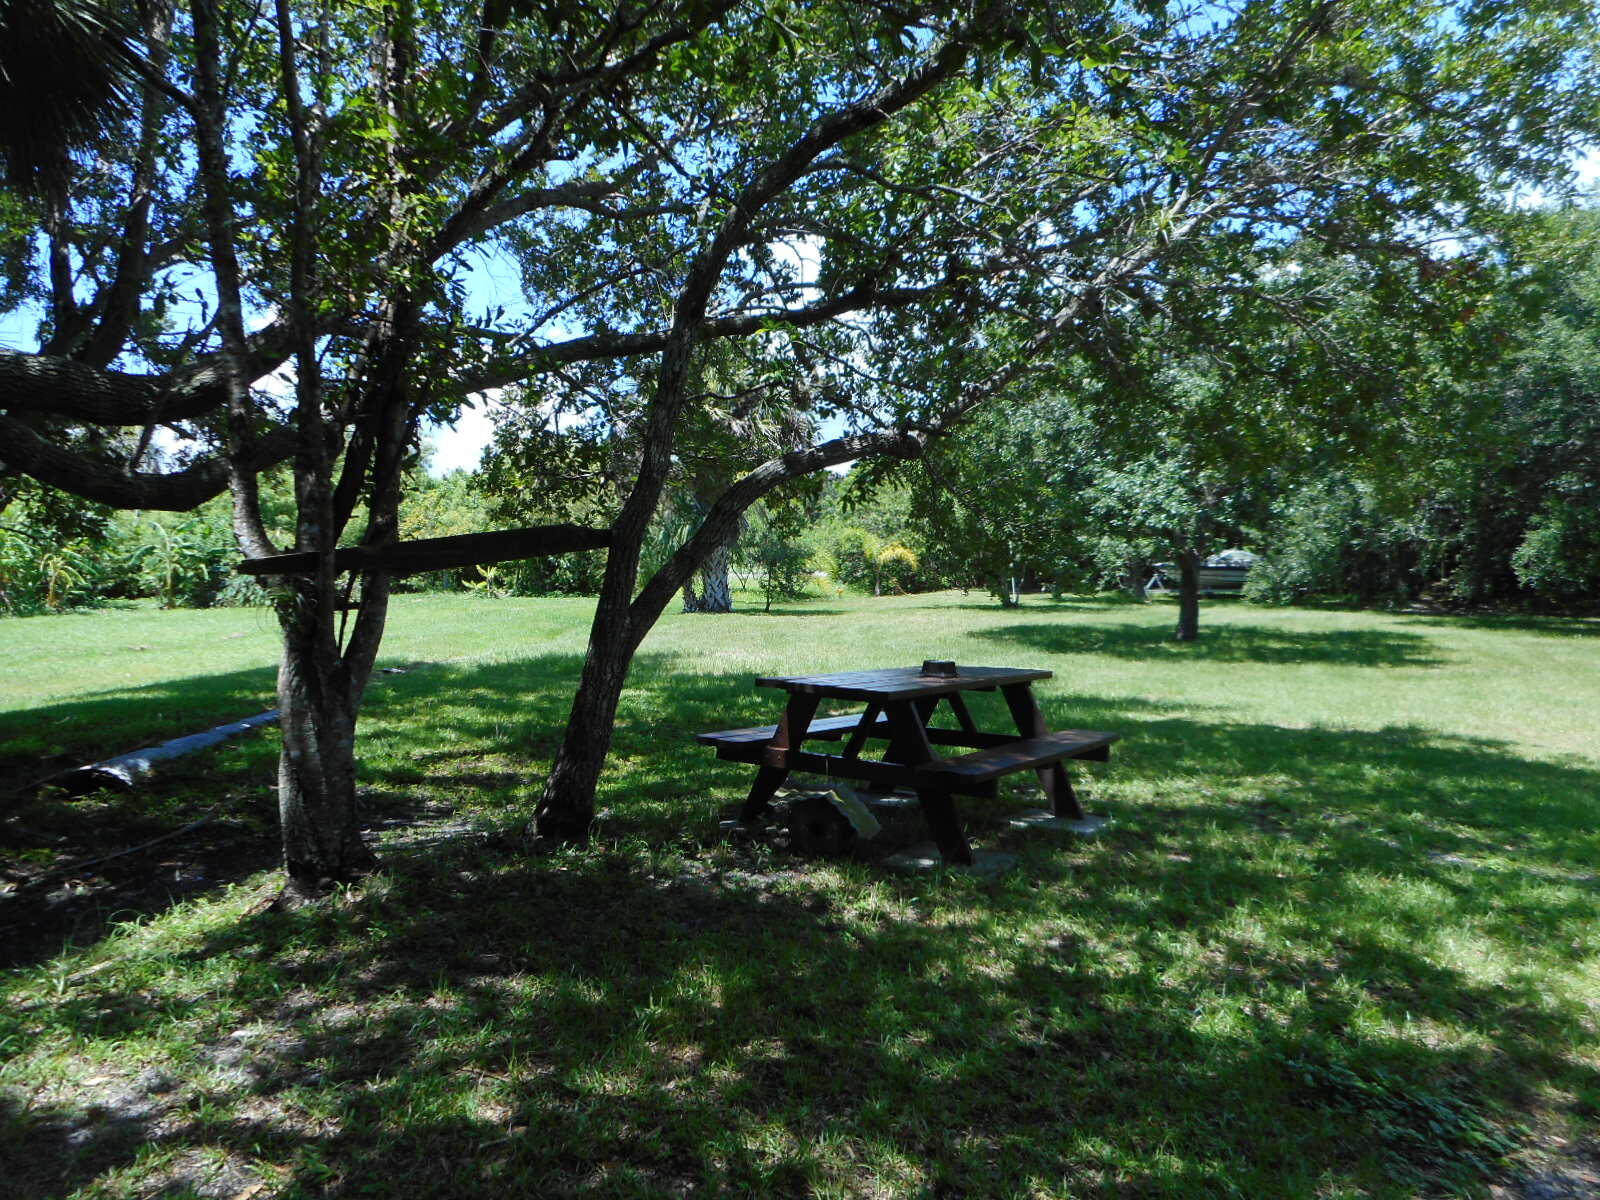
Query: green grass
1343	938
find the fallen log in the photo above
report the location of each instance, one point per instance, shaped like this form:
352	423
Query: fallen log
125	770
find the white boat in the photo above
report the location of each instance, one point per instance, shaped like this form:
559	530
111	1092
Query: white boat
1225	572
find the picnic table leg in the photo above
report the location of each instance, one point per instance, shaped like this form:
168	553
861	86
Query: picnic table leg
790	733
1057	786
908	729
768	781
939	809
858	737
1053	779
908	738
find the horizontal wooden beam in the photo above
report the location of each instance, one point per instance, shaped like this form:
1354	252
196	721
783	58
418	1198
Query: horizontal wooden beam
834	766
441	553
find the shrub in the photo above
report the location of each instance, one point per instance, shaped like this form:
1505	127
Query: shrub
1559	557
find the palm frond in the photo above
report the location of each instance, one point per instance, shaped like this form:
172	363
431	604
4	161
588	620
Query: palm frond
67	71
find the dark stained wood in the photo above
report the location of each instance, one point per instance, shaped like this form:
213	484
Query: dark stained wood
901	683
982	765
963	713
854	725
900	705
908	733
864	769
976	740
791	729
869	720
767	782
439	554
1030	722
790	732
1024	710
939	810
1058	788
828	729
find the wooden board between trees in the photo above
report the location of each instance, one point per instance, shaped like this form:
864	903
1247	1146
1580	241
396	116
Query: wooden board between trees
439	554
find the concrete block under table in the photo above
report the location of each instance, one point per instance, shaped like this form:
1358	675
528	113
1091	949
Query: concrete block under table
926	857
1043	818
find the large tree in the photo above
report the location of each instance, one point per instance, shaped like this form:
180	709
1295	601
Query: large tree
323	184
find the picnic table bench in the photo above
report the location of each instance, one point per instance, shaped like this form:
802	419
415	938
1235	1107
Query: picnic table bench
900	704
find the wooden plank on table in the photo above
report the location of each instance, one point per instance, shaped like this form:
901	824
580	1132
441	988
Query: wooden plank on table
439	554
901	683
977	739
992	763
837	767
828	728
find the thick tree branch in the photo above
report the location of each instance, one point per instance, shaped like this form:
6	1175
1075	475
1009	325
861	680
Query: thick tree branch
723	516
62	387
438	554
598	346
118	305
21	449
780	174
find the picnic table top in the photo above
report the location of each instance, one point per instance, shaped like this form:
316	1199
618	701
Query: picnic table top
900	683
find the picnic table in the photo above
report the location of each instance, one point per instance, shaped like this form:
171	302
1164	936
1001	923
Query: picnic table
900	705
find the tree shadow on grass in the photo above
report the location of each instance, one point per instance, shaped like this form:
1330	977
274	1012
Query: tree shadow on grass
117	720
1519	623
1034	604
1230	643
1114	1018
607	1024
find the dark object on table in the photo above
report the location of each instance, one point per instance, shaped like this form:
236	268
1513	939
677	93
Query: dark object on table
939	668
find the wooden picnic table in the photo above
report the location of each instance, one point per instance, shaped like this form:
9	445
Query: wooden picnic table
900	704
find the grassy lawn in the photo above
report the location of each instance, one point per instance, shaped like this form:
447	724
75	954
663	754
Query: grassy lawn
1342	939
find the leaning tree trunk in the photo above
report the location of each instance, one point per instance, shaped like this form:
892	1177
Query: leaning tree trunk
1188	596
566	809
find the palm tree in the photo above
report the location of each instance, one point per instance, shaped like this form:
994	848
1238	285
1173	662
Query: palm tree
67	69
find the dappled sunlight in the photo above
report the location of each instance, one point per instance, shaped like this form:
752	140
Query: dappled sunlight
1175	1007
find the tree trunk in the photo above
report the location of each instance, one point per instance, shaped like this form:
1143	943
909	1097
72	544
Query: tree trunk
567	806
566	809
715	594
1188	596
1139	570
317	768
691	597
